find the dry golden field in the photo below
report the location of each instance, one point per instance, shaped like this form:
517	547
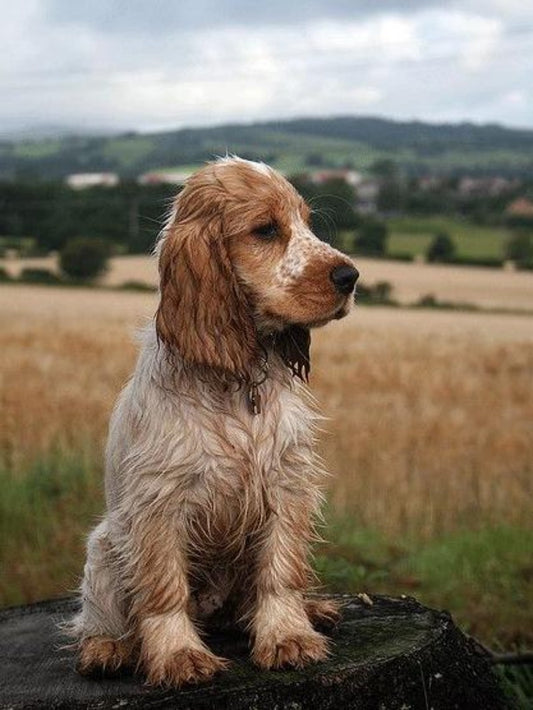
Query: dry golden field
488	288
429	442
430	413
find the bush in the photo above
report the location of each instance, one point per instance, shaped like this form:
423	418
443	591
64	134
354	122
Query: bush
4	275
133	285
442	248
38	276
493	262
519	248
371	238
378	294
84	259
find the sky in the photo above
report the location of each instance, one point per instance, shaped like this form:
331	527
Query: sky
160	64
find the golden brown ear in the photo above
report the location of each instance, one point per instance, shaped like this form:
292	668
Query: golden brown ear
293	346
203	313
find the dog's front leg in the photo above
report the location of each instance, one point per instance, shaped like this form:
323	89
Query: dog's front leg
170	649
283	634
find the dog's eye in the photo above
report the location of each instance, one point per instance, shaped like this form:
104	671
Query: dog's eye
266	231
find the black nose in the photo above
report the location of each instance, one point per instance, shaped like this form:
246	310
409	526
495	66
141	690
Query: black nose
344	278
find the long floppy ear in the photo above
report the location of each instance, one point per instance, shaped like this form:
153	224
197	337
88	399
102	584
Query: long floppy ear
293	346
203	313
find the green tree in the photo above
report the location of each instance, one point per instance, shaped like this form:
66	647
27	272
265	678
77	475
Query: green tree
391	196
519	247
441	248
332	204
385	168
371	237
84	259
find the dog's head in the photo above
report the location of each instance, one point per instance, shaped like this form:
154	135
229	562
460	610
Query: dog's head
239	264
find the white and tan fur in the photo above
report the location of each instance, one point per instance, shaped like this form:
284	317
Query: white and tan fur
209	505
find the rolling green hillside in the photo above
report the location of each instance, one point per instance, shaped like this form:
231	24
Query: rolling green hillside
289	145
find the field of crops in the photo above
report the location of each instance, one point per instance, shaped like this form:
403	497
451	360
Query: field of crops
428	441
477	286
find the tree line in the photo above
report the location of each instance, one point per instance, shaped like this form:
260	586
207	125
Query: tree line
128	217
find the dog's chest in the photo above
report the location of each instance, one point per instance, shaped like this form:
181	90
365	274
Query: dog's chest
244	458
261	439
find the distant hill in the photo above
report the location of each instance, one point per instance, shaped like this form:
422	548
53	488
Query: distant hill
291	146
46	131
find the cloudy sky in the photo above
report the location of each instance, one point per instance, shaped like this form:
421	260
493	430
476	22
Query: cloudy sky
156	64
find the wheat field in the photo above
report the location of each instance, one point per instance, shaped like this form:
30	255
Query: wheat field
486	288
427	438
430	413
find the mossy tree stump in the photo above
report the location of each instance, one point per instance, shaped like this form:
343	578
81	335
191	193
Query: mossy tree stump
391	654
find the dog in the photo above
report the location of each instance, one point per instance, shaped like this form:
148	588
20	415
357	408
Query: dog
212	484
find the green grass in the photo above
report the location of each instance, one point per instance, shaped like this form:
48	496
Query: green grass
189	168
37	149
517	683
483	576
128	151
412	235
143	152
45	514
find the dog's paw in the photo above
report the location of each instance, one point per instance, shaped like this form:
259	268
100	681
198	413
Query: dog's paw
296	650
323	613
185	667
103	655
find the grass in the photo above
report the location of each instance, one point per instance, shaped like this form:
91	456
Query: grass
289	149
412	235
45	514
30	149
127	151
484	576
517	683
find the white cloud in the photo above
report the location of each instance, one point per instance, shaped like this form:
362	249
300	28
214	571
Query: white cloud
476	38
515	98
456	61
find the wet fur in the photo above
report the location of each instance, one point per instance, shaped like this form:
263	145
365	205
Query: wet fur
210	506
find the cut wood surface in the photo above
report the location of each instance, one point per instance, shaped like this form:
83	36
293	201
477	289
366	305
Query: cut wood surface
388	654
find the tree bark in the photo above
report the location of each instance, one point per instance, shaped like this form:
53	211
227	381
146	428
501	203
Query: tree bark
388	654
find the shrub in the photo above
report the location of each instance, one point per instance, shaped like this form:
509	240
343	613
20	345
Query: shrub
371	238
133	285
493	262
4	275
39	276
84	259
519	248
442	248
378	294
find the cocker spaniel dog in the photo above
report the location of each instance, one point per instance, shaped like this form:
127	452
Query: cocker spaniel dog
212	485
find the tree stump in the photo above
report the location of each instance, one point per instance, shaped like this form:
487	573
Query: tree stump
388	654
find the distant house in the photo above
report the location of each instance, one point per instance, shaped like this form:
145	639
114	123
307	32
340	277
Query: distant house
367	193
352	177
164	177
485	187
521	208
81	181
427	183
